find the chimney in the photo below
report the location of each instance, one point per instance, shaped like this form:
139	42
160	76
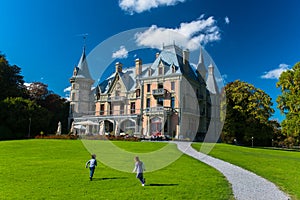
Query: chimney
119	67
138	66
156	55
185	56
211	69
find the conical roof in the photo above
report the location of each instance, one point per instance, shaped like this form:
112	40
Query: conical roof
83	69
201	67
211	81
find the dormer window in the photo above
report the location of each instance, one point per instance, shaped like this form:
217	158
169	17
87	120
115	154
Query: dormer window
173	69
160	71
161	68
138	93
149	72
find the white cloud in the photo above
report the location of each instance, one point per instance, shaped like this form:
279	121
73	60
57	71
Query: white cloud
139	6
189	35
27	84
222	79
68	89
121	53
275	73
227	21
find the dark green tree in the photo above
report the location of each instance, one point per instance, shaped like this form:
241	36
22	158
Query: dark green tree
289	104
59	109
22	118
248	110
11	82
57	106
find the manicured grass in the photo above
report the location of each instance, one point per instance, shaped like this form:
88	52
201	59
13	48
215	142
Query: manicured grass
55	169
280	167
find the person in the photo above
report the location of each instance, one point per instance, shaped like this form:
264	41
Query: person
93	163
139	168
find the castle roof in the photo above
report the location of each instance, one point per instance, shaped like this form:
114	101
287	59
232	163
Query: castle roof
82	67
171	58
211	81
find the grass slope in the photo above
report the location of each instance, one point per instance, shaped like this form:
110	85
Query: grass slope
279	167
55	169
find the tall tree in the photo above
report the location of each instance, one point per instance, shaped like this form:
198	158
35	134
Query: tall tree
20	118
248	110
289	103
11	82
38	92
57	106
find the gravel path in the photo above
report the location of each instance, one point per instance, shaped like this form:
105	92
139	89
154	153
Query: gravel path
245	185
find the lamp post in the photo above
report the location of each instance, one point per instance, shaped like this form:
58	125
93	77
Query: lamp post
252	140
29	126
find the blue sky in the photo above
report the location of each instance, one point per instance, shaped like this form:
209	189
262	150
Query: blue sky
248	40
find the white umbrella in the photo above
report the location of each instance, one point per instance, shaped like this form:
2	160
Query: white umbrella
88	122
80	127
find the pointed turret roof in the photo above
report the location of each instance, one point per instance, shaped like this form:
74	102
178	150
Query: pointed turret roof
201	67
211	80
83	69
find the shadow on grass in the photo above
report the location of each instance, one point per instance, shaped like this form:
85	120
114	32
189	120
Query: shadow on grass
108	178
163	184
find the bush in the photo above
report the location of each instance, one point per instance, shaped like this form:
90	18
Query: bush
72	137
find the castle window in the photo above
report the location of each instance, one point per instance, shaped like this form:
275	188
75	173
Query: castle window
148	87
160	101
102	109
160	85
173	85
138	93
160	70
132	107
173	69
148	103
173	102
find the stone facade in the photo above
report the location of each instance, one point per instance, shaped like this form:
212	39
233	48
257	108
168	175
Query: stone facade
167	97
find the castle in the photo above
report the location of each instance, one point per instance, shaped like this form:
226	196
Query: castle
168	97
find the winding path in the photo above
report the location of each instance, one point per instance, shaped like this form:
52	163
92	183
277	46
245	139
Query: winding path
245	184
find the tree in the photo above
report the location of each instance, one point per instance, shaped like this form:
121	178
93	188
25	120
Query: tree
58	107
18	115
289	103
38	92
34	106
11	82
248	110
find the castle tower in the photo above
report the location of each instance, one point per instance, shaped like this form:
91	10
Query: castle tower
81	98
201	69
214	112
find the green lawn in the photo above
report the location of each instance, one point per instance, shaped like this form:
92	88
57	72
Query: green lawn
280	167
55	169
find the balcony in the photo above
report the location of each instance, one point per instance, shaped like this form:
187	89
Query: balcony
116	99
158	110
158	92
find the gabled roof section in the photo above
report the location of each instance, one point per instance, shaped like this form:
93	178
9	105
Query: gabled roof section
127	79
83	69
127	76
